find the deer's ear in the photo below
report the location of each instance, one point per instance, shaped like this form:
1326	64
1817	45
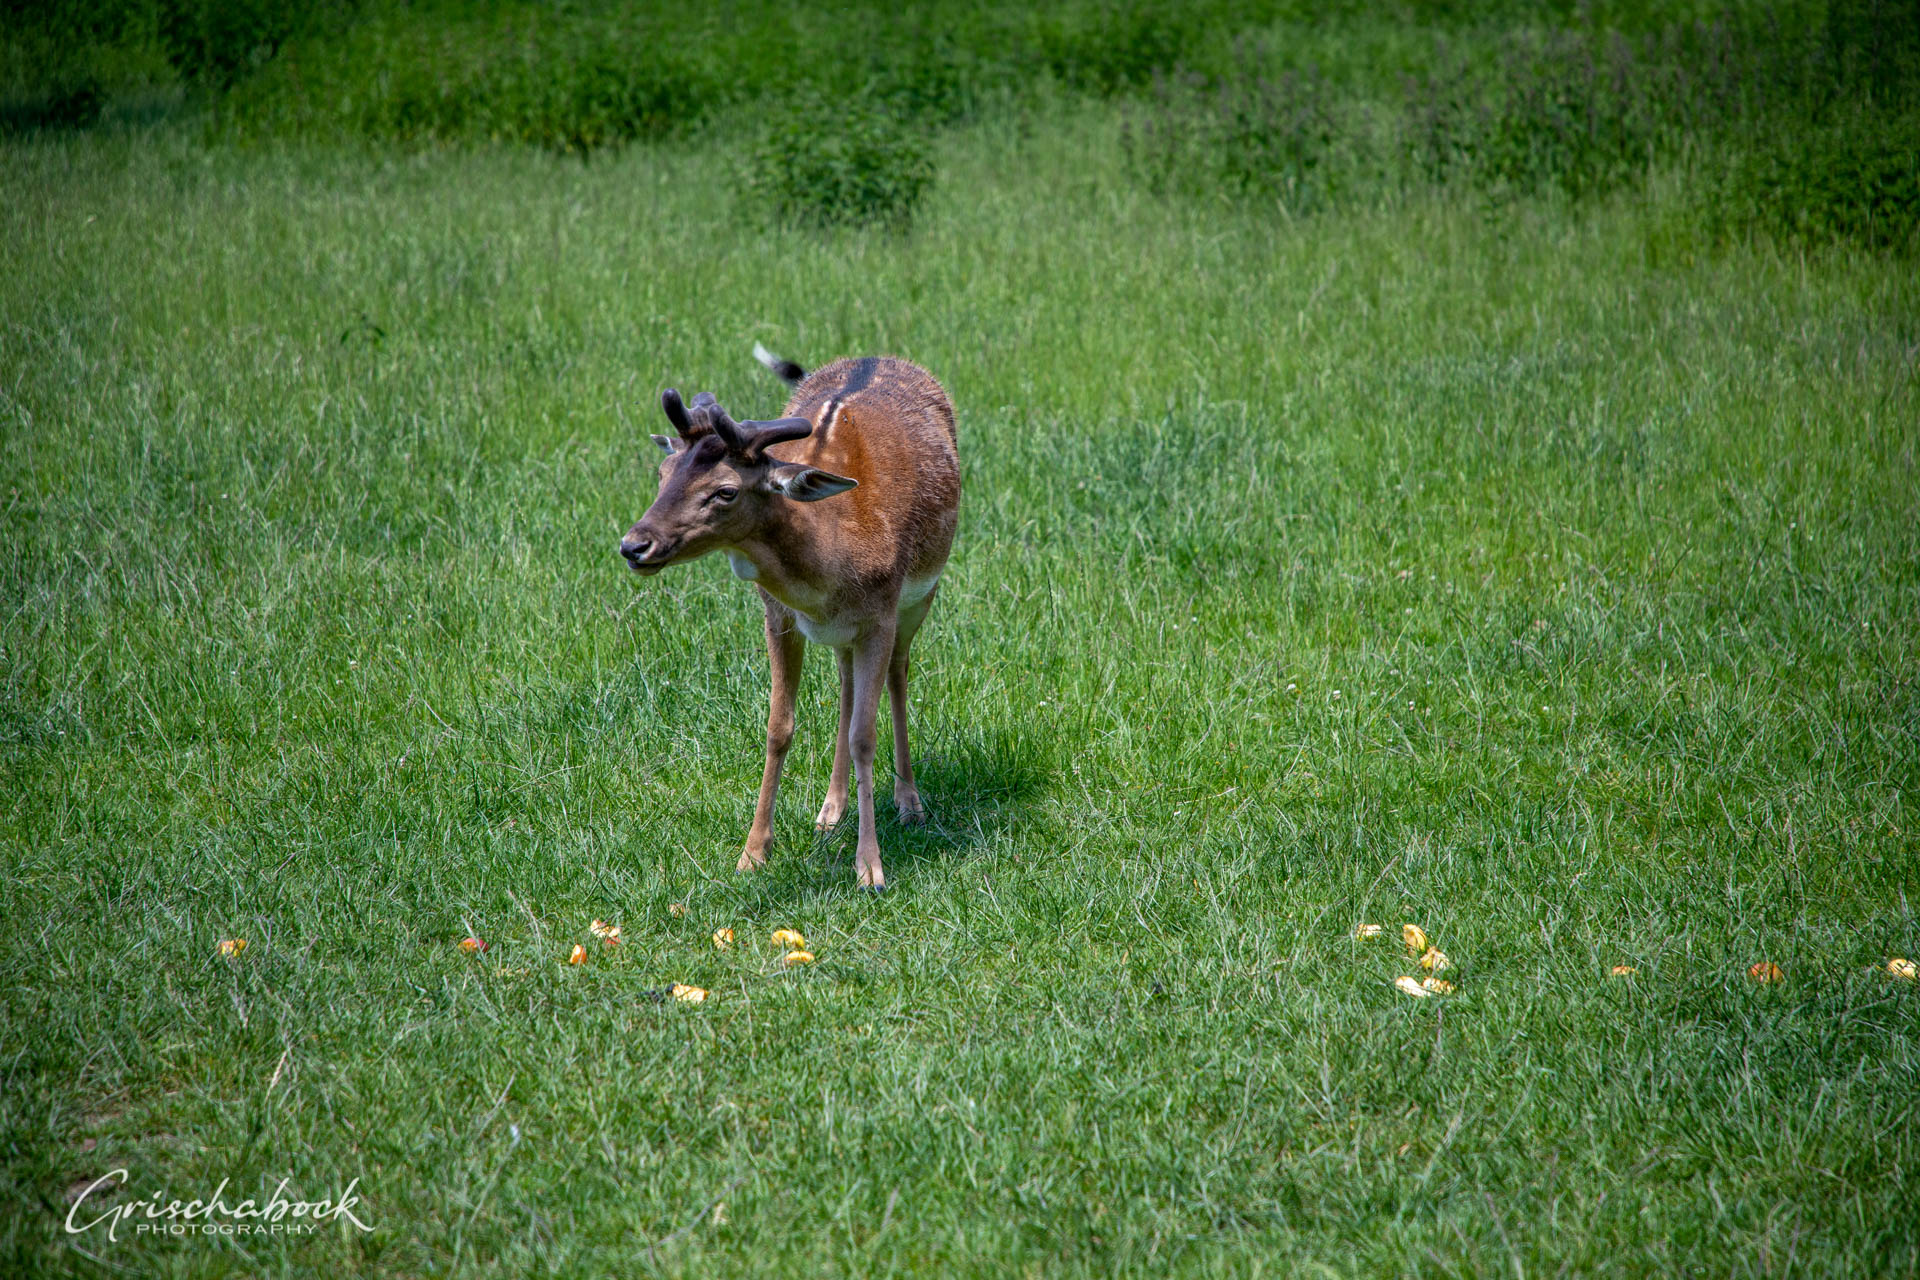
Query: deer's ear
805	484
667	444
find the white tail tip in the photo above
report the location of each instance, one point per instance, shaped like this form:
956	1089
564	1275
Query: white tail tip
785	370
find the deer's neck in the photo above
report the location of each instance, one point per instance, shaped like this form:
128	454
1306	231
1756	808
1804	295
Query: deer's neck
786	562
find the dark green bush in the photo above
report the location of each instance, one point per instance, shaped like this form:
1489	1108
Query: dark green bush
937	83
1583	112
1777	111
1857	178
74	104
1247	135
213	43
1570	115
221	42
1107	48
582	75
567	80
845	161
60	65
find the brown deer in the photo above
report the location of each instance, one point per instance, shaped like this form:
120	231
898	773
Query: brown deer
841	513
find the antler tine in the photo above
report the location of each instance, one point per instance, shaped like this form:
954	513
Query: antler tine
676	412
723	426
763	435
706	415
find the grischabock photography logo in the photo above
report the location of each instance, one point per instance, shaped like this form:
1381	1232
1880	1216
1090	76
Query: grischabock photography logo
159	1214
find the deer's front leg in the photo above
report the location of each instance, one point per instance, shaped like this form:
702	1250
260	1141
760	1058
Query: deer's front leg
786	649
834	807
871	653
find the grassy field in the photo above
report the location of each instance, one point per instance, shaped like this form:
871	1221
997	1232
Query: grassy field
1544	576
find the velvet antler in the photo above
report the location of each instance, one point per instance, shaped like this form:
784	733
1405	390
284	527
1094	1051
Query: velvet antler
750	439
760	436
676	412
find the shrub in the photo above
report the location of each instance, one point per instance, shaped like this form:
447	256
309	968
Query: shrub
1770	107
1107	48
61	65
1856	178
936	84
581	75
74	104
1572	116
847	161
563	79
579	103
220	42
1586	111
1566	111
1245	135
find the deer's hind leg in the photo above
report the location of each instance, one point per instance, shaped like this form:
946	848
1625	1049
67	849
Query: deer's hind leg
906	793
834	807
870	656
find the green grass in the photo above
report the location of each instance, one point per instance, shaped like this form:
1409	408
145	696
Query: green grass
1550	581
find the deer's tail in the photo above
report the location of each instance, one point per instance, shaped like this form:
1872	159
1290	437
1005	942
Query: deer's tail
785	370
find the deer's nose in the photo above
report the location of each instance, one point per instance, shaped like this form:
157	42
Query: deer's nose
636	549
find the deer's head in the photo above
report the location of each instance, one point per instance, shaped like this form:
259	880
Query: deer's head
718	486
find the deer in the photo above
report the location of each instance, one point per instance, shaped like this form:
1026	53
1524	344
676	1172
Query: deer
841	513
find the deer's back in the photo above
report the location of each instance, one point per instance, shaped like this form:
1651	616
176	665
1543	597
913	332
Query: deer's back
888	424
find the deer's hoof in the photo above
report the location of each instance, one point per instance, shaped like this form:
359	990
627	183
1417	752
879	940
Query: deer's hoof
830	815
912	812
751	860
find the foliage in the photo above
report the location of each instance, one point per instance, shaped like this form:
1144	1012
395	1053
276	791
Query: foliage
578	77
1242	135
838	161
1796	120
1108	47
1855	178
559	79
1564	114
47	46
221	42
1236	99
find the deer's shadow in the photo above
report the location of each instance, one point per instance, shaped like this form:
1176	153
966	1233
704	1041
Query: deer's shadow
974	789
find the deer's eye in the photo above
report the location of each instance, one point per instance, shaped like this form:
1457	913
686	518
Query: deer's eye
724	494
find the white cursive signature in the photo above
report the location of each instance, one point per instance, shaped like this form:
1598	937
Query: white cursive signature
214	1214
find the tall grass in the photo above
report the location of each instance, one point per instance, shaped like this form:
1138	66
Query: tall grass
1790	118
1394	567
1533	561
1786	119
